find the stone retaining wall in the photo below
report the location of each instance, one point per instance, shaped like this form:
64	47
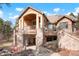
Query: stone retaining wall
68	41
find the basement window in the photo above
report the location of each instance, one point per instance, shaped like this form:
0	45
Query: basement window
51	38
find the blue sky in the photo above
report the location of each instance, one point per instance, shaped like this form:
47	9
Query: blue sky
11	13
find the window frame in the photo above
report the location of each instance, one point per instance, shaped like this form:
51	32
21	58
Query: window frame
63	25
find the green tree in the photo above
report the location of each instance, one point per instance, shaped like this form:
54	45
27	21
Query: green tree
1	25
71	14
77	22
7	29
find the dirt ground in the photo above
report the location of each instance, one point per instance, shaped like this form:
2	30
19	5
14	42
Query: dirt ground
48	50
5	44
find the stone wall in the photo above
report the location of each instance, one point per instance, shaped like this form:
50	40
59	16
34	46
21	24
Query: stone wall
68	41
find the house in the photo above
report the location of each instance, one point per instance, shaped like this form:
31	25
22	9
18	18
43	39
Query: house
35	28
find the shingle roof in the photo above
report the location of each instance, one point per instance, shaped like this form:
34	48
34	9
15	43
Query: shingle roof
55	18
27	9
32	9
51	18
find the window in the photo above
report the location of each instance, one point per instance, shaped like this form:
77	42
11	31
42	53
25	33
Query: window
63	25
51	38
51	26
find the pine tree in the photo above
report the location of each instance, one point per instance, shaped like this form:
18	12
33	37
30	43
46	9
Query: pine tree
71	14
77	22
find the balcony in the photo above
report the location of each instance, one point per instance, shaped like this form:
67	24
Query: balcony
49	32
31	30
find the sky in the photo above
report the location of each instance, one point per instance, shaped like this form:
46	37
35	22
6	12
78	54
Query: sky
13	12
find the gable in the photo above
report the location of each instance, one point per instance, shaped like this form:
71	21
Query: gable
29	10
64	17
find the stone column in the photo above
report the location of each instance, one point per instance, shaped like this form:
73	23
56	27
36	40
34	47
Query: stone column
39	35
14	38
20	34
39	40
20	38
25	41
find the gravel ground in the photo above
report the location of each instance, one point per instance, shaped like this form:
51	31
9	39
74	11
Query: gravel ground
44	51
49	49
28	52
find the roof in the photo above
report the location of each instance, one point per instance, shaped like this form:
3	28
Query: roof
51	18
32	9
56	18
27	9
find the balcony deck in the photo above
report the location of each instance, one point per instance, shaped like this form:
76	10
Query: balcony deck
50	33
32	31
47	33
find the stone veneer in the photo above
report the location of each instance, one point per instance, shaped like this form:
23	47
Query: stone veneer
39	40
68	41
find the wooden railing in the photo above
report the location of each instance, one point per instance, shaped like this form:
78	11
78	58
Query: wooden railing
30	31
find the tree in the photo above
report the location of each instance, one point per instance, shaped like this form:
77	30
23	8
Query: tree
71	14
77	22
1	25
7	29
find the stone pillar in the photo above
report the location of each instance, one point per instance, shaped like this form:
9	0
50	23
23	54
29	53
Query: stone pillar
14	38
20	34
39	40
25	41
39	35
20	38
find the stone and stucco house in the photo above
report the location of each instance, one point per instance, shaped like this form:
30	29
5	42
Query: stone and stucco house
35	28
